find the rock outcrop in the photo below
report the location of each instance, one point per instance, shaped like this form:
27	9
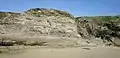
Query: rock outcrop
99	31
53	22
38	23
56	27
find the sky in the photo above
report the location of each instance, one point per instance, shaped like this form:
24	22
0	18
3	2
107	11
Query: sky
75	7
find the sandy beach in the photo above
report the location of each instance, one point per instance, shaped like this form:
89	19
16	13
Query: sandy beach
85	52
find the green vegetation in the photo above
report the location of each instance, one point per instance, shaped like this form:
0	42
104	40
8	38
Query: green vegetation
104	27
104	18
48	12
2	15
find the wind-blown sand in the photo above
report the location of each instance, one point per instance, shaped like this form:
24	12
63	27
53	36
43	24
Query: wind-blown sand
90	52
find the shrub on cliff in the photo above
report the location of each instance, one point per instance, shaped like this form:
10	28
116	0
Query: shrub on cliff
48	12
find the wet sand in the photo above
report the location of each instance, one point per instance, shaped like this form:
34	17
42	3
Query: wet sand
89	52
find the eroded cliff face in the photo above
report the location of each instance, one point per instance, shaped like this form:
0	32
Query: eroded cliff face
36	26
56	27
60	25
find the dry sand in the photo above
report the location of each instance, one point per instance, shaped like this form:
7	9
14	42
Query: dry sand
89	52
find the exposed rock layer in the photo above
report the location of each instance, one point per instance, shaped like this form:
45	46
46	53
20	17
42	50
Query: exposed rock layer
37	22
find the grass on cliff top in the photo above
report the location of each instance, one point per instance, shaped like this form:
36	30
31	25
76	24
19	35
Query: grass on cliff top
104	18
